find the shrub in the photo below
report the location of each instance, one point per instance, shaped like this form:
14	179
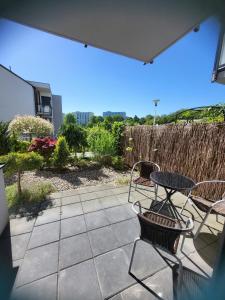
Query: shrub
117	131
61	153
101	142
44	146
18	145
4	138
75	135
33	194
31	126
20	162
118	163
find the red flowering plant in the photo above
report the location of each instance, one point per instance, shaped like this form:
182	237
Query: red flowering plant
44	146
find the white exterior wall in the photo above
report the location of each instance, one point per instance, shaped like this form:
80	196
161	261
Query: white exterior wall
16	96
3	204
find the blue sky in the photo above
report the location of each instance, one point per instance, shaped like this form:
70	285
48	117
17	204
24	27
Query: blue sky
90	79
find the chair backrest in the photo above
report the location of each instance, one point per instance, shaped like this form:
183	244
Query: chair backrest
147	167
160	230
211	190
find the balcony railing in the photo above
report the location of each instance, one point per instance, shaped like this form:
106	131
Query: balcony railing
44	110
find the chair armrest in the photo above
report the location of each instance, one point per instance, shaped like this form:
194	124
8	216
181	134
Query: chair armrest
218	202
189	226
139	205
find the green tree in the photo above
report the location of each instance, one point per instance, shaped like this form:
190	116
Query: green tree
101	141
61	153
4	138
20	162
117	118
149	120
31	126
75	135
69	119
117	132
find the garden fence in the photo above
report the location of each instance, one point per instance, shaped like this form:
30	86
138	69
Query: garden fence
196	150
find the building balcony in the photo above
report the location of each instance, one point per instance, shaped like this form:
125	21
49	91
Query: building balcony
45	110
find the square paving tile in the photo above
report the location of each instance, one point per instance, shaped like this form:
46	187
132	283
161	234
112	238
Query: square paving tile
112	270
96	219
102	240
161	283
110	201
69	193
13	248
79	282
92	205
44	234
21	225
196	262
118	213
55	195
88	196
146	260
48	216
126	231
37	263
50	203
104	193
72	226
42	289
121	190
71	210
70	199
73	250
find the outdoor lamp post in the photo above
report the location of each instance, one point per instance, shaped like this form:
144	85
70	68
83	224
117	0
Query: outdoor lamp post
155	102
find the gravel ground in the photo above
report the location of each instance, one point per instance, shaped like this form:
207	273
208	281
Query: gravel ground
71	179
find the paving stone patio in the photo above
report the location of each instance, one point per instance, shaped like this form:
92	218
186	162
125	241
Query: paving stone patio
80	248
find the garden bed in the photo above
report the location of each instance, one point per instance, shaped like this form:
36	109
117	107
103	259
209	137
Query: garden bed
73	178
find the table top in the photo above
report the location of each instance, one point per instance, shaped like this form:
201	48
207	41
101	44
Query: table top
174	181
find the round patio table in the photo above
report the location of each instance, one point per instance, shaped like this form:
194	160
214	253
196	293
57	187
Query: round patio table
172	183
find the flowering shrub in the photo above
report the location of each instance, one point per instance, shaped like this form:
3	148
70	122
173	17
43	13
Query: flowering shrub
30	125
44	146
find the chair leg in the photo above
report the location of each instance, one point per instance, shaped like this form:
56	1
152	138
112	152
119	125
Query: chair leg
201	225
180	274
129	192
184	206
156	192
132	255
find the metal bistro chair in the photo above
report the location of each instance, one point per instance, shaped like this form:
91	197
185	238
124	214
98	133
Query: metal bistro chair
143	181
206	205
162	232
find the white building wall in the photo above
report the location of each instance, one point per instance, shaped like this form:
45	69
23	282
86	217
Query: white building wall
16	96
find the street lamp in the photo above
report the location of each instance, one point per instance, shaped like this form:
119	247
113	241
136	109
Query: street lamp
155	102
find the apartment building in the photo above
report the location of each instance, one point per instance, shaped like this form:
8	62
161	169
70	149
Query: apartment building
21	97
114	113
83	118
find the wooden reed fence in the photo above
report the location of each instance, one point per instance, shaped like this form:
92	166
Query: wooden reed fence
197	150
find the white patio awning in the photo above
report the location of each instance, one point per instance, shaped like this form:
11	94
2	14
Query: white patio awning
141	29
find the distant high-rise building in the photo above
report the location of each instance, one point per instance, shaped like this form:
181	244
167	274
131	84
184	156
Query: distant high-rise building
113	113
83	118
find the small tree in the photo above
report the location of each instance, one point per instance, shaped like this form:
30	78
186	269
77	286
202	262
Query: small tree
4	138
75	135
69	119
61	153
30	125
20	162
101	141
117	132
